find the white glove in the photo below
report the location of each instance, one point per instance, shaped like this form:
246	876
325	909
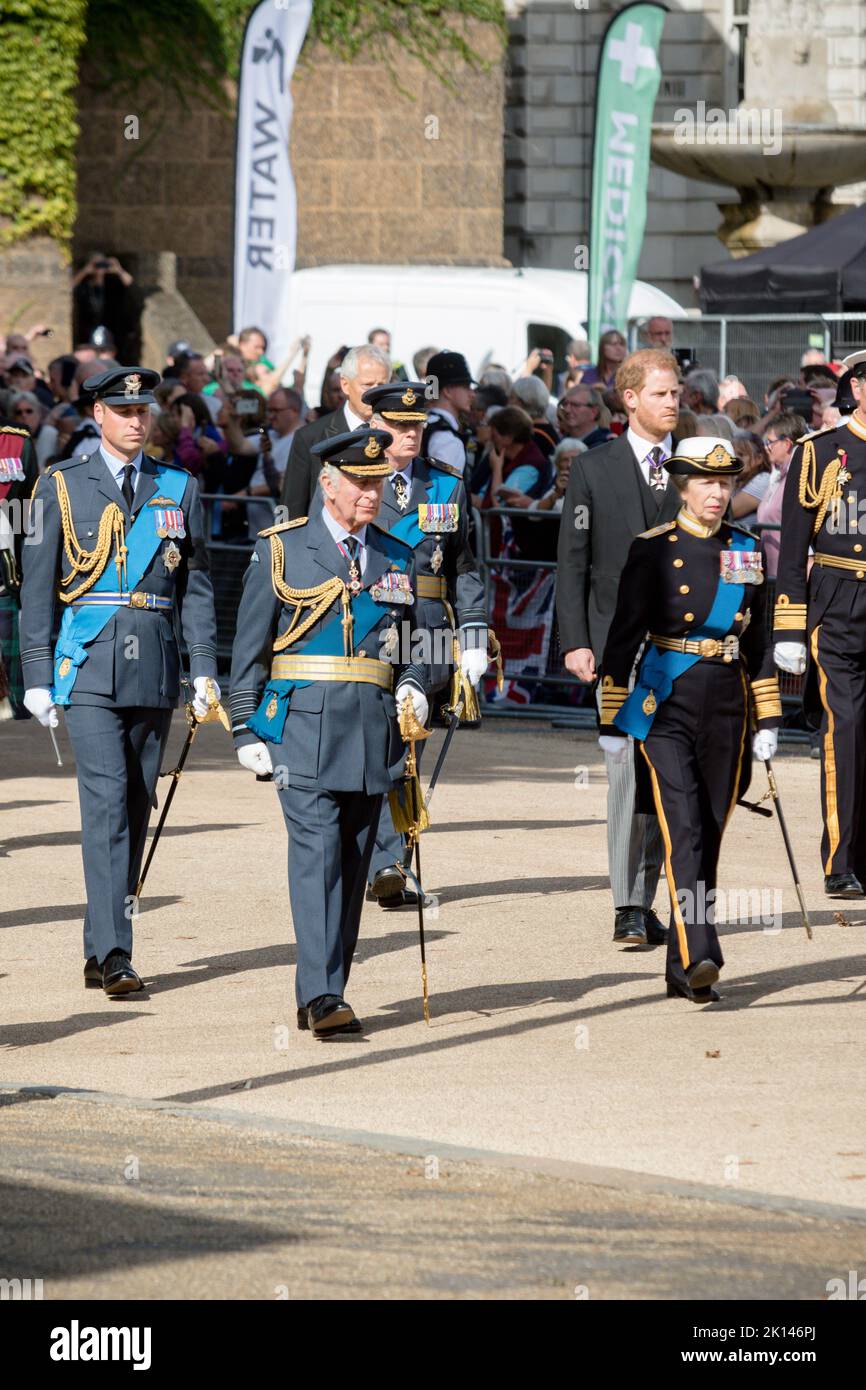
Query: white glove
764	744
419	701
615	746
473	664
256	758
200	705
791	657
40	704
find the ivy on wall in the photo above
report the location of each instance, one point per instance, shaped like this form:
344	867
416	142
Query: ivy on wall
39	52
188	49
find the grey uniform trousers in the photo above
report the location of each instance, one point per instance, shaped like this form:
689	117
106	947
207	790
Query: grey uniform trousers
635	851
118	753
331	837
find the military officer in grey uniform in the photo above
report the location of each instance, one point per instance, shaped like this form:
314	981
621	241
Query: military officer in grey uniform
122	554
424	504
317	677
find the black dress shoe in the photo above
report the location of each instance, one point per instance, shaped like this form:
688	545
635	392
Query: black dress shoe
327	1014
407	897
702	974
92	973
656	934
388	883
629	928
356	1026
843	886
118	976
707	995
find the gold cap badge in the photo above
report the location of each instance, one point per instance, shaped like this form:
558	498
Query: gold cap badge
409	397
718	458
132	384
372	448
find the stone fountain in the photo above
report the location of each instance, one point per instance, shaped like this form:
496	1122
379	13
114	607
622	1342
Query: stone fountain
783	149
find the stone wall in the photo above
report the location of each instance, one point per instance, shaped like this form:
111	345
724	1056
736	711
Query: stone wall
381	176
34	288
550	100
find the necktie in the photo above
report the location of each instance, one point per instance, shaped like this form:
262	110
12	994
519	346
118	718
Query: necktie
127	488
401	491
352	548
657	479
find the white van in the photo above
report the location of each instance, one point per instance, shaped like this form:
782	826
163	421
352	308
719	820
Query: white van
488	314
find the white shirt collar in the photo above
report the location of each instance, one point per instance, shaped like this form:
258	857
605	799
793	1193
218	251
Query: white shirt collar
116	465
353	421
440	409
339	532
640	447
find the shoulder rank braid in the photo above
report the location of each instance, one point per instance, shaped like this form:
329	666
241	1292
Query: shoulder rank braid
318	600
827	494
90	562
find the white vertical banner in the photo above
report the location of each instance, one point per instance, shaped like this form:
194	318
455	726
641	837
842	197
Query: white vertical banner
265	202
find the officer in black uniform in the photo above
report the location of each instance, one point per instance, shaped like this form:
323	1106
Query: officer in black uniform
424	504
18	474
822	615
692	589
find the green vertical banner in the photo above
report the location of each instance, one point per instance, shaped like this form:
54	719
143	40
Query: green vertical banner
626	87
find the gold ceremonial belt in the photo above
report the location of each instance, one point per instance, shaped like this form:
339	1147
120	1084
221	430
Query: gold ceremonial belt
365	669
430	586
728	648
136	599
838	562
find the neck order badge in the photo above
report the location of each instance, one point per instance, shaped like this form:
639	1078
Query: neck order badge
626	86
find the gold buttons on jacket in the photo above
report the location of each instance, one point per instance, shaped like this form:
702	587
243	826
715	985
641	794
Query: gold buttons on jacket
678	564
684	588
672	538
688	617
738	617
857	548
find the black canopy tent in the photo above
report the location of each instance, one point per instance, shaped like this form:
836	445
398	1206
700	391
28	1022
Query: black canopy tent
822	271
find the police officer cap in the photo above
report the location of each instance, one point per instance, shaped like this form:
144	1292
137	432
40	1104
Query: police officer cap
123	386
845	402
450	369
704	457
359	452
855	363
399	400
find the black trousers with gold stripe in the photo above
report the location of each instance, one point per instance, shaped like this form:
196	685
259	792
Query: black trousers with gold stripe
694	754
838	650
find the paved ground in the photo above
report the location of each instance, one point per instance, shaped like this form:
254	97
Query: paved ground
546	1041
101	1202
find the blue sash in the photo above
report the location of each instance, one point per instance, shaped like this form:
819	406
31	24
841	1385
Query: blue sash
659	669
81	625
440	488
328	641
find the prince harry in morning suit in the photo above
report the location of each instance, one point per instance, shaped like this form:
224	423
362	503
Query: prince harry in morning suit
615	492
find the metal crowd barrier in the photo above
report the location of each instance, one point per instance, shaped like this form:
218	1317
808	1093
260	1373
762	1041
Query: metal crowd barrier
743	345
228	561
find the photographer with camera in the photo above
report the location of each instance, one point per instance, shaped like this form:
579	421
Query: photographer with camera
104	295
248	470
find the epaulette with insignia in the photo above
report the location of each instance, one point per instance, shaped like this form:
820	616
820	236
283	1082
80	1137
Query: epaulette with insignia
444	468
285	526
656	531
813	434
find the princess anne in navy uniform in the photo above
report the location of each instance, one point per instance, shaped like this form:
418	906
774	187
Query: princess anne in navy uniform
693	589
